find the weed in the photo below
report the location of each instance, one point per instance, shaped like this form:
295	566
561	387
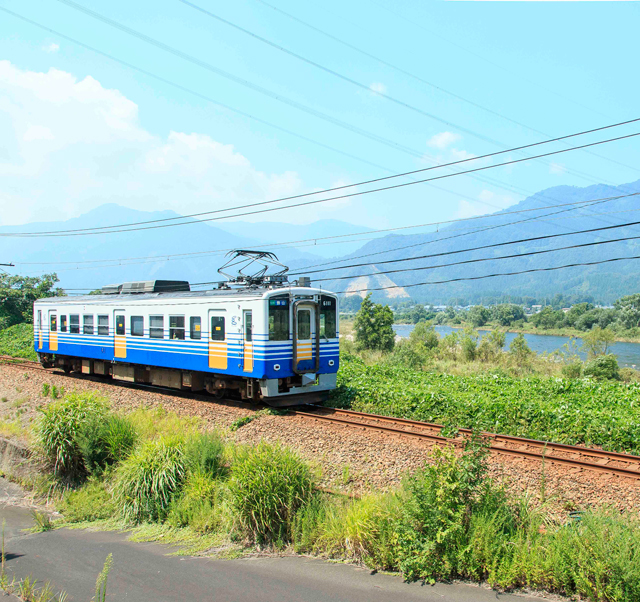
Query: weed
101	582
4	400
202	505
46	389
146	482
57	392
41	522
240	422
204	454
346	477
158	423
89	503
268	485
105	441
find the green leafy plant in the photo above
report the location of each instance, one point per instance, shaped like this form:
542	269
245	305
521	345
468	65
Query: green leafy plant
603	367
41	522
46	389
146	482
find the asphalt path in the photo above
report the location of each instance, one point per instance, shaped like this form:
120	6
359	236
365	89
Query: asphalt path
71	560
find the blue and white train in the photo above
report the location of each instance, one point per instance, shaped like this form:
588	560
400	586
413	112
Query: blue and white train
274	342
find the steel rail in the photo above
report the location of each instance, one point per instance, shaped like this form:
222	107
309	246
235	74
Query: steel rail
543	450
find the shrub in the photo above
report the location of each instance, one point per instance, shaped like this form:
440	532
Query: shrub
425	334
204	454
146	482
17	341
91	502
603	367
468	344
104	441
58	427
201	505
268	485
572	370
520	350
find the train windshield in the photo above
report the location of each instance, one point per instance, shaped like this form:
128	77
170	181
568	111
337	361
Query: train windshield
279	318
327	317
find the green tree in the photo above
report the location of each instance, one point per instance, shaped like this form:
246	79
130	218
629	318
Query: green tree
374	326
520	350
17	294
478	316
603	367
547	318
597	341
425	335
508	313
418	314
575	312
629	310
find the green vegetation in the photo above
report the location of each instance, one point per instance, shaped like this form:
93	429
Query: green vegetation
17	341
603	413
373	326
18	293
449	519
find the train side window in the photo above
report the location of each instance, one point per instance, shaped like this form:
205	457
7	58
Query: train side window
40	319
217	328
137	326
74	324
120	325
279	318
327	317
304	324
176	327
63	323
156	327
87	324
103	326
248	326
53	319
195	327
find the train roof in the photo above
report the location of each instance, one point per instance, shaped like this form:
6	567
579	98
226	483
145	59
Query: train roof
242	293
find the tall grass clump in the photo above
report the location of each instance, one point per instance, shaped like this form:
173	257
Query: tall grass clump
202	505
204	454
58	427
268	485
105	441
147	481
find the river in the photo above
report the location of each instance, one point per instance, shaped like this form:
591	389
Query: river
628	354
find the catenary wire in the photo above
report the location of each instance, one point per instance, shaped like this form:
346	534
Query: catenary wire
307	203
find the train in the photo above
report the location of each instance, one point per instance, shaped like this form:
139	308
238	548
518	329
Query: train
265	340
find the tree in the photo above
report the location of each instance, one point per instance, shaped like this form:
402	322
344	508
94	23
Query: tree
424	334
418	314
629	310
374	326
603	367
520	350
507	313
575	312
17	294
597	341
478	316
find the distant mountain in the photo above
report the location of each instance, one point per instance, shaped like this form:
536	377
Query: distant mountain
604	282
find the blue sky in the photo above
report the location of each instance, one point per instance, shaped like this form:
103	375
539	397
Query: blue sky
74	143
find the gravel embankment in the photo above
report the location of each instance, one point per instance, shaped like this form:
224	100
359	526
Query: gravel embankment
349	460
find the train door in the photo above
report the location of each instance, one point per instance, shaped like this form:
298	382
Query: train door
305	334
39	325
119	334
247	341
53	330
217	340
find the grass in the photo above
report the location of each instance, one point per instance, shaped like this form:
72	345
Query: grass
12	429
17	341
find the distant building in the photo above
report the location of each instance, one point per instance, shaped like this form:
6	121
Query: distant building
536	308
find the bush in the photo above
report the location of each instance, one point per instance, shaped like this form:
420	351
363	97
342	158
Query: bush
268	485
204	453
58	427
603	367
147	481
105	441
90	502
425	334
201	505
520	350
17	341
572	370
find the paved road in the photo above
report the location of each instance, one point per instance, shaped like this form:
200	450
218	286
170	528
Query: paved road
72	559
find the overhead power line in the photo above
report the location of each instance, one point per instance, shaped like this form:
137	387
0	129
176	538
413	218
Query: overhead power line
63	233
529	271
481	259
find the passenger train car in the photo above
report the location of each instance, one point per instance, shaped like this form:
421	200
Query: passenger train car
272	342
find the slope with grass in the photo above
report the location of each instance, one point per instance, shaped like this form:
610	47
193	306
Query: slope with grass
578	412
17	341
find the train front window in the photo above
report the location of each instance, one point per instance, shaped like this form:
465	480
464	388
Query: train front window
63	323
176	327
87	324
74	324
103	326
195	327
217	328
327	317
304	324
137	326
279	318
156	327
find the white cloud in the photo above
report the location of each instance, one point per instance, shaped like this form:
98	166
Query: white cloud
70	145
378	88
53	47
460	155
443	140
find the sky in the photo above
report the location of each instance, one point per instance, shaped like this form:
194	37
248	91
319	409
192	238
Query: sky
396	86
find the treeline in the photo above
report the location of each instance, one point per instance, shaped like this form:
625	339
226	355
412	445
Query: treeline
18	293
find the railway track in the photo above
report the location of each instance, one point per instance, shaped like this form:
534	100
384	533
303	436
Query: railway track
582	458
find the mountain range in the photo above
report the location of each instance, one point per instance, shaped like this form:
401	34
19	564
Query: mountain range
123	256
